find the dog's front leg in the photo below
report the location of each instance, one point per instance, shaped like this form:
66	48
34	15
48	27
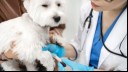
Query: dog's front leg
46	60
30	66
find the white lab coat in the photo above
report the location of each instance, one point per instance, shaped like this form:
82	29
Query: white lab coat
107	61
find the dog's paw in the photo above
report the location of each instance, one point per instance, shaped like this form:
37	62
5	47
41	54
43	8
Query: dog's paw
60	40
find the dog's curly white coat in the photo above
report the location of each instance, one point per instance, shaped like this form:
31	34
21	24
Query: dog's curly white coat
29	33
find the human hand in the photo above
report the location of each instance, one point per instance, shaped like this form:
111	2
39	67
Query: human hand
55	49
74	66
58	30
56	36
53	33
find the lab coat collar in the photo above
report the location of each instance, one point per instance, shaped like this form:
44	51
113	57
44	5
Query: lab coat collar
89	41
115	37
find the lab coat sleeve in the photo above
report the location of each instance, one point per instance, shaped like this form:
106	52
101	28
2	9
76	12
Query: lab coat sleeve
76	42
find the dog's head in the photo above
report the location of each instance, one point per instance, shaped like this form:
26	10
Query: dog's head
46	12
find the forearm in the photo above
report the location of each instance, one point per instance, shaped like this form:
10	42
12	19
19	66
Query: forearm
70	52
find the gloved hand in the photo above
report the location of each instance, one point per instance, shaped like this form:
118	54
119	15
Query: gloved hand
74	66
55	49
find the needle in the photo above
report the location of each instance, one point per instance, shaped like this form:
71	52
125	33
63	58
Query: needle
59	60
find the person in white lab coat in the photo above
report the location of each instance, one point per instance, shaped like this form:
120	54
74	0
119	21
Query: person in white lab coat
107	35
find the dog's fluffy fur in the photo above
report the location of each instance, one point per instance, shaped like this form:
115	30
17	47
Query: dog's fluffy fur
29	33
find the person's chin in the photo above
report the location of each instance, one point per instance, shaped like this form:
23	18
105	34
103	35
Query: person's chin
97	9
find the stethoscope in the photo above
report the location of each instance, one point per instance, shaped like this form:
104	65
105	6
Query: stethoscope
88	22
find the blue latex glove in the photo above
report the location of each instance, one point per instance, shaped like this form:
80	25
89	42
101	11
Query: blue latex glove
74	66
55	49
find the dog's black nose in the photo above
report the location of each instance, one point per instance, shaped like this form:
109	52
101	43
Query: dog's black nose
56	18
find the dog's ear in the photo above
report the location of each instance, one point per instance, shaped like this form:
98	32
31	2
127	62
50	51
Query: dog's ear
26	4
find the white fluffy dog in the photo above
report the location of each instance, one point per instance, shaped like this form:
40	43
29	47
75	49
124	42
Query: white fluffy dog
30	32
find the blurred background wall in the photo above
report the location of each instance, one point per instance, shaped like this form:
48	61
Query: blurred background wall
73	15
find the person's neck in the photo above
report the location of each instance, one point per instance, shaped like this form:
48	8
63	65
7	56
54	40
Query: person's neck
112	14
109	17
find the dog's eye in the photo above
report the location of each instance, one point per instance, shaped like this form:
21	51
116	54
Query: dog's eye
58	4
45	5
